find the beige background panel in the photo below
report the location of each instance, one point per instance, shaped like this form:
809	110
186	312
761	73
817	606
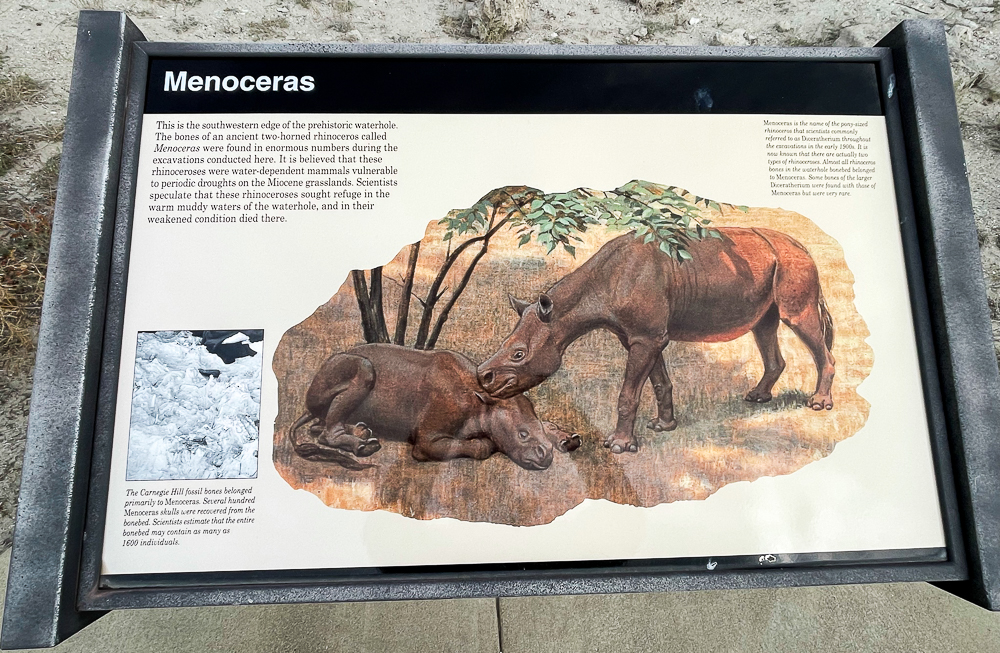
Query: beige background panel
875	491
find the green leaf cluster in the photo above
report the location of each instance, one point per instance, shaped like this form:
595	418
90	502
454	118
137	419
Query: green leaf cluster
663	215
666	215
472	220
555	219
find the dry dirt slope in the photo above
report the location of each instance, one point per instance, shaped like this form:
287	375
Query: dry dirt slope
37	39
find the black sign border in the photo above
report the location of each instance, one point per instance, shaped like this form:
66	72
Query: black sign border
517	579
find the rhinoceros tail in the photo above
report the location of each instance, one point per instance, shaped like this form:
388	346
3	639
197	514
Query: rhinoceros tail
824	314
319	452
314	451
299	423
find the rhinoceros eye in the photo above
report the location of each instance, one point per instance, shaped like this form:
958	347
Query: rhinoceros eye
523	435
517	355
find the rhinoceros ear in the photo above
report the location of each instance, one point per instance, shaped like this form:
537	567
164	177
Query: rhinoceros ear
517	304
544	308
486	399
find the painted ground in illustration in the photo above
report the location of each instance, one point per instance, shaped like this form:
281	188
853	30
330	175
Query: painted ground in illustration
519	243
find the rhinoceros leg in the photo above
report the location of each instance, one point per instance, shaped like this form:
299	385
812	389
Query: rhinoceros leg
357	378
766	336
664	391
438	447
561	439
642	356
808	326
800	304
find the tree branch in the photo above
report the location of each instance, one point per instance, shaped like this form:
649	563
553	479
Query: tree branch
460	288
399	283
433	292
443	316
426	339
377	311
361	293
403	308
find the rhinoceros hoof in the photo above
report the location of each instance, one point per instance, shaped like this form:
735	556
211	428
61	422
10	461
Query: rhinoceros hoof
621	446
660	425
360	430
367	447
817	402
756	396
571	443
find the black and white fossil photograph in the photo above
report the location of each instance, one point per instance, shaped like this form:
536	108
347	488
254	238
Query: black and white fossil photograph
195	405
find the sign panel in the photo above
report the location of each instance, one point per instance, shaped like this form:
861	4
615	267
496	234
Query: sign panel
405	313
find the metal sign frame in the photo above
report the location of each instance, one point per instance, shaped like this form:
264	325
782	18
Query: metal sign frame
55	588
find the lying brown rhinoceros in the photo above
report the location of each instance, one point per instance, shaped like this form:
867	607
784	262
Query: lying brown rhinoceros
430	399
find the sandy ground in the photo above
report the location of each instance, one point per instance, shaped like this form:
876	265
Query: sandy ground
37	38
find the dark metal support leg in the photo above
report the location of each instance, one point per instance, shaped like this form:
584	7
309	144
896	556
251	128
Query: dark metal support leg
45	562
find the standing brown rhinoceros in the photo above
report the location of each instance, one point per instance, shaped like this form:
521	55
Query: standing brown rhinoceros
428	398
747	280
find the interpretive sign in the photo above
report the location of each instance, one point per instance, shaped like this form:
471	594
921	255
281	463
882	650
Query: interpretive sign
375	253
402	322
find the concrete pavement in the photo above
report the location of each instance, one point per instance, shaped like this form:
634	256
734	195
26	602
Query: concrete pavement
864	618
